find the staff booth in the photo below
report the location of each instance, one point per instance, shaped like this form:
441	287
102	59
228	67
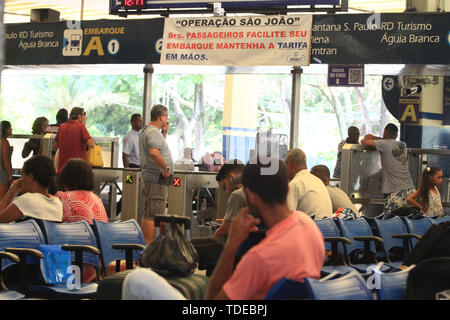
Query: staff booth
396	45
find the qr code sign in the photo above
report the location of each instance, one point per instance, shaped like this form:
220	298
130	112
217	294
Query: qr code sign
355	76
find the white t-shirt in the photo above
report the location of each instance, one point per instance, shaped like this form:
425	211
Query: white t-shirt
131	147
307	193
36	205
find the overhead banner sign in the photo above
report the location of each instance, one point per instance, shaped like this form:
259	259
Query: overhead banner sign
86	42
234	41
394	38
389	38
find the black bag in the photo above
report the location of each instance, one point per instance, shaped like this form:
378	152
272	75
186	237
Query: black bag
429	280
405	211
170	253
434	243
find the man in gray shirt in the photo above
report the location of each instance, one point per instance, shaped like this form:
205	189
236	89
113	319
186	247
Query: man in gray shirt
157	168
339	198
397	182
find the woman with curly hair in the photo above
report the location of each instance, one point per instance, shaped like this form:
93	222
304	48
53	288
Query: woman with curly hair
39	127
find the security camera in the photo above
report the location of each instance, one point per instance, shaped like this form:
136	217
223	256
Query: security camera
413	90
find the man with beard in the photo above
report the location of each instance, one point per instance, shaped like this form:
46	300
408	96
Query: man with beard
293	247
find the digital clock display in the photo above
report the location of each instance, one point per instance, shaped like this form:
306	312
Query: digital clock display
133	4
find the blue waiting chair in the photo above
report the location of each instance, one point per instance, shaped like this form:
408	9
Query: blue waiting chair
287	289
77	237
417	228
351	286
396	239
117	241
361	253
334	243
440	220
9	294
391	285
24	239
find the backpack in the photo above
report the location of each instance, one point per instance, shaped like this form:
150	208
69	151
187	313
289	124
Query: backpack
430	279
434	243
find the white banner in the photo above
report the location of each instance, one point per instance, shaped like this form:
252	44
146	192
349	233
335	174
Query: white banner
238	41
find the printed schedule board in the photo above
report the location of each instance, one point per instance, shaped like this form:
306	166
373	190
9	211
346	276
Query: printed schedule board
407	38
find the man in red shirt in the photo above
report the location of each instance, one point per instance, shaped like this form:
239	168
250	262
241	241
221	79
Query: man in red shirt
72	138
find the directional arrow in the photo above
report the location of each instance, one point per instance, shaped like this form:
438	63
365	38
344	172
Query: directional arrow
388	84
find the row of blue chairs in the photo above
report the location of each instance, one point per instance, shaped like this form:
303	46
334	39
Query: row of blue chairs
98	245
350	286
362	242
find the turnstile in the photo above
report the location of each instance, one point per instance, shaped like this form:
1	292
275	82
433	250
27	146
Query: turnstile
181	194
130	179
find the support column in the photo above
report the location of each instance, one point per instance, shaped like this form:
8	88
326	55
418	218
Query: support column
147	105
239	124
432	129
295	107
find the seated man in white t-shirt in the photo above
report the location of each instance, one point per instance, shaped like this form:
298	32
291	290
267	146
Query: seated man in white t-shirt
339	198
307	193
38	187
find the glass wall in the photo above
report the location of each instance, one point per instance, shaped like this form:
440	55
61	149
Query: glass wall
196	104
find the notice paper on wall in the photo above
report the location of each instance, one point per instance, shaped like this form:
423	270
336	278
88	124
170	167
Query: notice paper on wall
238	41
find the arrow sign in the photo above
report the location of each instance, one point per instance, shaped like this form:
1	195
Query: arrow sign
129	179
388	84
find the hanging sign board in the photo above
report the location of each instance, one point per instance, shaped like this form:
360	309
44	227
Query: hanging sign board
346	75
409	109
231	41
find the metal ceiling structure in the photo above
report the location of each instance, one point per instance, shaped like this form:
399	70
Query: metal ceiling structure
19	10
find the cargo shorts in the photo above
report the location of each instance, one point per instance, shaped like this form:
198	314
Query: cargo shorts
154	198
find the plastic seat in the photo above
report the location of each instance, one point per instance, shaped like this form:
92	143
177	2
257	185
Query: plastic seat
76	234
24	239
351	286
440	220
287	289
118	241
361	252
9	294
333	240
391	285
334	243
395	237
417	227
